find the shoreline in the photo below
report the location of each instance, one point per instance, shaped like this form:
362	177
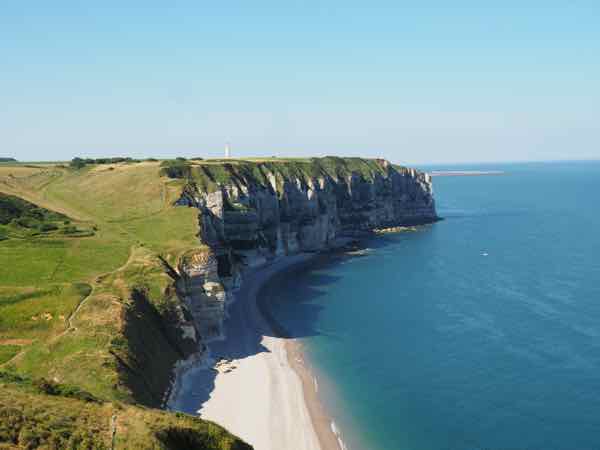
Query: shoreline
323	424
257	362
255	381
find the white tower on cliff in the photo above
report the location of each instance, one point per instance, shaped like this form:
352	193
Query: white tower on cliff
227	151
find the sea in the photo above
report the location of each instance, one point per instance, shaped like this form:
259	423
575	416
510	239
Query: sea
479	332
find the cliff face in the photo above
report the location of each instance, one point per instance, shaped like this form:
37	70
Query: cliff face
252	212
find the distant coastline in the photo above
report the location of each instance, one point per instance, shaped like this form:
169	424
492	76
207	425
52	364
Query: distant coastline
464	173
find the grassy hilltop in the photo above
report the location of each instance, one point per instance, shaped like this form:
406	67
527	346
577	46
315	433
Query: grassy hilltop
84	296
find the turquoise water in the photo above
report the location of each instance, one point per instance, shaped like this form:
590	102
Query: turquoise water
434	345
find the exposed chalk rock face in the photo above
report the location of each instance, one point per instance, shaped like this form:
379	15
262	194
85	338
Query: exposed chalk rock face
258	211
282	215
202	291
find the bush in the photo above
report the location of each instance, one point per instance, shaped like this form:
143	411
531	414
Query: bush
27	222
11	421
52	388
69	229
83	289
8	377
24	214
77	163
176	169
45	227
12	207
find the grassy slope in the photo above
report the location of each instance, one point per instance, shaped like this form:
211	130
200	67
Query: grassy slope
46	415
64	300
130	207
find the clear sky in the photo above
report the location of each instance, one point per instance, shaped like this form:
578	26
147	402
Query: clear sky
412	81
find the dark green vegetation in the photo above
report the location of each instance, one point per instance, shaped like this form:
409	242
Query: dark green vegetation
78	163
20	218
209	174
5	160
176	168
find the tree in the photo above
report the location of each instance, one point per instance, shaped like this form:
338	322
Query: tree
77	163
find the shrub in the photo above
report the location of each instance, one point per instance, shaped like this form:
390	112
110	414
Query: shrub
83	289
77	163
27	222
176	169
8	377
11	207
25	214
52	388
69	229
11	421
45	227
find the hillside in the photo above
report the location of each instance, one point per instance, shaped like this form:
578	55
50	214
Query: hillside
108	280
83	295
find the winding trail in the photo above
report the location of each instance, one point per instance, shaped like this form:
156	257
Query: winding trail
70	325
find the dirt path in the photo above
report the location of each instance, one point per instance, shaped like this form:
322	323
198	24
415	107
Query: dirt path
70	325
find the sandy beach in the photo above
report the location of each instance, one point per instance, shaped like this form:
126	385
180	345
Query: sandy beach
260	389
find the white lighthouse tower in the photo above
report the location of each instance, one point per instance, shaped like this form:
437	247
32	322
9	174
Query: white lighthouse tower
227	150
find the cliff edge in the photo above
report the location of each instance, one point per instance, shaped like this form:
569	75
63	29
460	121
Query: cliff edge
253	211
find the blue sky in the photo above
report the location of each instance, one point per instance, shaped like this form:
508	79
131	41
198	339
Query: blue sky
415	82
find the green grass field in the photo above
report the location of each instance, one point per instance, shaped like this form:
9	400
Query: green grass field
128	212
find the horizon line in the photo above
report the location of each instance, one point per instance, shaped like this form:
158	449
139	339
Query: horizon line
424	163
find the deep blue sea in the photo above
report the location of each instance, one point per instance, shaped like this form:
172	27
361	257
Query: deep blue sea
479	332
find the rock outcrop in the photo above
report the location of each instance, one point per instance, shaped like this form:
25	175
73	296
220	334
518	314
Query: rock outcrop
250	212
